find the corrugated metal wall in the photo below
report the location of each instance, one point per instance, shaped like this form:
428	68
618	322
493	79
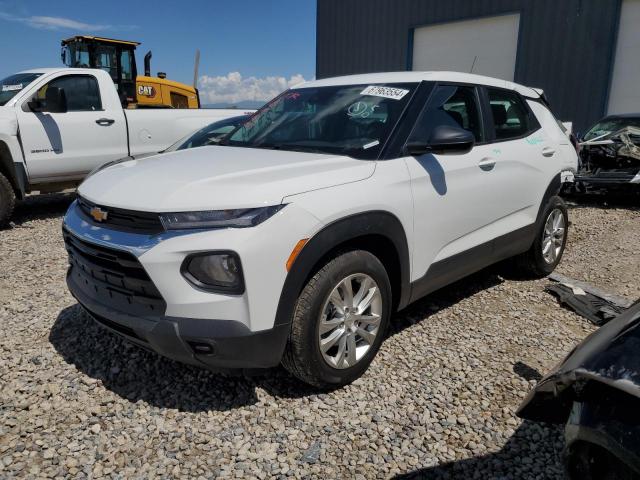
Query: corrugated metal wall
566	47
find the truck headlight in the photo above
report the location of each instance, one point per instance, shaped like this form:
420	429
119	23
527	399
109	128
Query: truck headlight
214	271
237	218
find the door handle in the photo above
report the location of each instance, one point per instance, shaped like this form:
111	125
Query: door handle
105	122
487	164
548	152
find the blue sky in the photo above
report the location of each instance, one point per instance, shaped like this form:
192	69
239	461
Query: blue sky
249	48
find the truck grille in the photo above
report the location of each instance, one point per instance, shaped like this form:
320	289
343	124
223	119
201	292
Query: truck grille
112	277
124	220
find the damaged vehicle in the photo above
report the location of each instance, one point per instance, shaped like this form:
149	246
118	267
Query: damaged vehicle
595	393
610	155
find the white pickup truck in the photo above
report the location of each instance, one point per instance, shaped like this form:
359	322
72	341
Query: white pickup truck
58	124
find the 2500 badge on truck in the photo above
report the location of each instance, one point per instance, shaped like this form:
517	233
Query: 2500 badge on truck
339	202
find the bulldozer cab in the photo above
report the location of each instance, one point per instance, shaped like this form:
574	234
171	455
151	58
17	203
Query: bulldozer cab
116	57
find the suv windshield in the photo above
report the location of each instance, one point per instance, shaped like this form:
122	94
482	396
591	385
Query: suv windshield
10	86
353	120
612	125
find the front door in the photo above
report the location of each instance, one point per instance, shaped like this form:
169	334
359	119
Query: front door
457	197
67	146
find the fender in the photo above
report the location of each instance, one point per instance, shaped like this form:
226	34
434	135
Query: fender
340	232
14	171
552	190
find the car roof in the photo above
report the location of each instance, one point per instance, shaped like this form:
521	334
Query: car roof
415	77
43	70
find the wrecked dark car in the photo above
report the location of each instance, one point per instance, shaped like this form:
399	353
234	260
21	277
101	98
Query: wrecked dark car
610	155
595	393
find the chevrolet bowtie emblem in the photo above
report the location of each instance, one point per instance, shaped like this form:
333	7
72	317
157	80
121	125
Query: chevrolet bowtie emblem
98	214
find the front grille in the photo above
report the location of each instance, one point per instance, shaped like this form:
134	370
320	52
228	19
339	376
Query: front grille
112	277
124	220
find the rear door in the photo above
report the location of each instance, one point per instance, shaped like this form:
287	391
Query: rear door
523	152
458	198
62	146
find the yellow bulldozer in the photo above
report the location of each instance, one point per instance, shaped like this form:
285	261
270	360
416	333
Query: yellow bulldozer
117	57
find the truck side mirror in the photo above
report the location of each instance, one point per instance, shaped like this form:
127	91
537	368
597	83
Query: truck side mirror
55	100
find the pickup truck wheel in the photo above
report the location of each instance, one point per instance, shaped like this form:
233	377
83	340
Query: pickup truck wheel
7	200
339	321
551	238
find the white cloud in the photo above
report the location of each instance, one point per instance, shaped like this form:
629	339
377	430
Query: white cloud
61	23
233	88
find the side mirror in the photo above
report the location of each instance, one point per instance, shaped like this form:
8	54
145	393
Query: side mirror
444	139
55	100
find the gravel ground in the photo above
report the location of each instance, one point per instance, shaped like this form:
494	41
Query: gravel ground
437	402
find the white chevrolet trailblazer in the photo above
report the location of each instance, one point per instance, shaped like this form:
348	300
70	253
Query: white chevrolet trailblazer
341	201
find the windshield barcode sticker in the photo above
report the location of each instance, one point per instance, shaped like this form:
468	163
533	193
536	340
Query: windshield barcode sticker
11	88
385	92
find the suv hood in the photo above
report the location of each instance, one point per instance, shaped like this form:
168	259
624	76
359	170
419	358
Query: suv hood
217	177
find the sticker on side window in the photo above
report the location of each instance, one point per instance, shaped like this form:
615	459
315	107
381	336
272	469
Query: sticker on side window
385	92
11	88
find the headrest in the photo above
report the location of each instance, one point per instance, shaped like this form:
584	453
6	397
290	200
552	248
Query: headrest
499	114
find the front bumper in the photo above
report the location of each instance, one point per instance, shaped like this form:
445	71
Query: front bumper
132	285
610	178
206	343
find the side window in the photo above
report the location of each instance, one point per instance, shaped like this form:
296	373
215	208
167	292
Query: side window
82	92
452	105
511	117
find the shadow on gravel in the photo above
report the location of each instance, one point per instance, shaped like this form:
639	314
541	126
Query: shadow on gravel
445	298
137	374
533	451
42	207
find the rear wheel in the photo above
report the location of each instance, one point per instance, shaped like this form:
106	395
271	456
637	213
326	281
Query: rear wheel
339	321
549	244
7	200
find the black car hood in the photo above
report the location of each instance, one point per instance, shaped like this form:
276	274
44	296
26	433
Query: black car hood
610	355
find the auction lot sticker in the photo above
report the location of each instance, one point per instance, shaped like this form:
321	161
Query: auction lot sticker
11	88
385	92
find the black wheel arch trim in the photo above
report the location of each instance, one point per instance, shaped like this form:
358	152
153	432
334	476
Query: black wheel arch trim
339	232
13	171
552	190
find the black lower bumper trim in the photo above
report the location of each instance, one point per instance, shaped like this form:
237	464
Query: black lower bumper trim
201	342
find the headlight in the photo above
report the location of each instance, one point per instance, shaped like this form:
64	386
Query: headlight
239	218
214	271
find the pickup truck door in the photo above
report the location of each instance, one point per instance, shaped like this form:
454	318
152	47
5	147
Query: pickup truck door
67	146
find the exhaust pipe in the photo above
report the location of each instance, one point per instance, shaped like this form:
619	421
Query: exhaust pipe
147	64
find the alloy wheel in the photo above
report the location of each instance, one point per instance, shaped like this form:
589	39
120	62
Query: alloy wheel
553	236
350	321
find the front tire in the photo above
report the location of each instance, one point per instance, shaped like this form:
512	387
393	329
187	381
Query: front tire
549	244
7	201
339	321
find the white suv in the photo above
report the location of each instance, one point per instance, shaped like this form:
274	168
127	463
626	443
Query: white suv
338	203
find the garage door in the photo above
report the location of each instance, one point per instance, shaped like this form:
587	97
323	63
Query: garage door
624	96
486	45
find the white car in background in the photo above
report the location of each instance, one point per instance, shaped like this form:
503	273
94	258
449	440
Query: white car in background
338	203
